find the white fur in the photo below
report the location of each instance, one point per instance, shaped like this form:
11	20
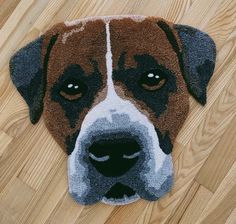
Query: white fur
67	34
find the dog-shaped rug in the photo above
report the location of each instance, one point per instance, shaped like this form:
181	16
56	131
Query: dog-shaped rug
114	93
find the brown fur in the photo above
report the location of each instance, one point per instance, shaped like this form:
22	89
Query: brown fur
77	47
147	38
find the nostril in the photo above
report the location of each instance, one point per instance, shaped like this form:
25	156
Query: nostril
136	154
99	159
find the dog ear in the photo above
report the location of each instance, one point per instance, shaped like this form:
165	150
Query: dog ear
28	72
196	52
198	60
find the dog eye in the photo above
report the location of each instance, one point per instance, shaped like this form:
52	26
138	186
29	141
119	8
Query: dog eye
73	89
152	80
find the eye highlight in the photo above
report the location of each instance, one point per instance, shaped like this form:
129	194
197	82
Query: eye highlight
73	89
152	80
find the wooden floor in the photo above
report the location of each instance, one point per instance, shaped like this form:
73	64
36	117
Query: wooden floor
33	174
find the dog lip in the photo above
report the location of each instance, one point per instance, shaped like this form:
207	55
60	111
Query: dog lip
119	191
121	201
120	194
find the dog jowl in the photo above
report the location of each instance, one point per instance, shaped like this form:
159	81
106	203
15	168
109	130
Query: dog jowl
114	93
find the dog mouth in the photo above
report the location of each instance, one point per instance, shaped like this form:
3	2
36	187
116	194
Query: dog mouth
120	194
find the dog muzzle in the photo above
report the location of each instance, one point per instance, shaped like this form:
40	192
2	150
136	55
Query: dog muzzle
117	157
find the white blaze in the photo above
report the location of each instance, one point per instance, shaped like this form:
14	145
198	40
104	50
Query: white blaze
111	90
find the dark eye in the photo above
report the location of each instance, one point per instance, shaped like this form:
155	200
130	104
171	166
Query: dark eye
152	80
73	89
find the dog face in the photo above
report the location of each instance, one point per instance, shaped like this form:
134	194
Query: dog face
114	93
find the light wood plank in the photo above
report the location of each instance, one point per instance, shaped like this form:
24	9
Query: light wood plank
48	196
231	219
223	202
98	213
220	160
127	214
4	141
6	9
14	200
196	206
176	216
66	211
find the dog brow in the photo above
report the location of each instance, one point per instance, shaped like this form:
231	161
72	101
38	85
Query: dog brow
170	36
172	39
46	58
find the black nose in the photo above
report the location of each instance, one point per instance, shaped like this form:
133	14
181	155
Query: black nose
114	157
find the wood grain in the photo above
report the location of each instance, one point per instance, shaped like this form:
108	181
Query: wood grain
33	174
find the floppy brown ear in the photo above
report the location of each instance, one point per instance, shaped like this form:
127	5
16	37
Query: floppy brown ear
196	53
28	72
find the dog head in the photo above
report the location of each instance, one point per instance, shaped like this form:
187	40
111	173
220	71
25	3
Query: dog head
114	93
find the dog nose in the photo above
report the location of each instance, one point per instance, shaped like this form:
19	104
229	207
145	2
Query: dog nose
114	157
